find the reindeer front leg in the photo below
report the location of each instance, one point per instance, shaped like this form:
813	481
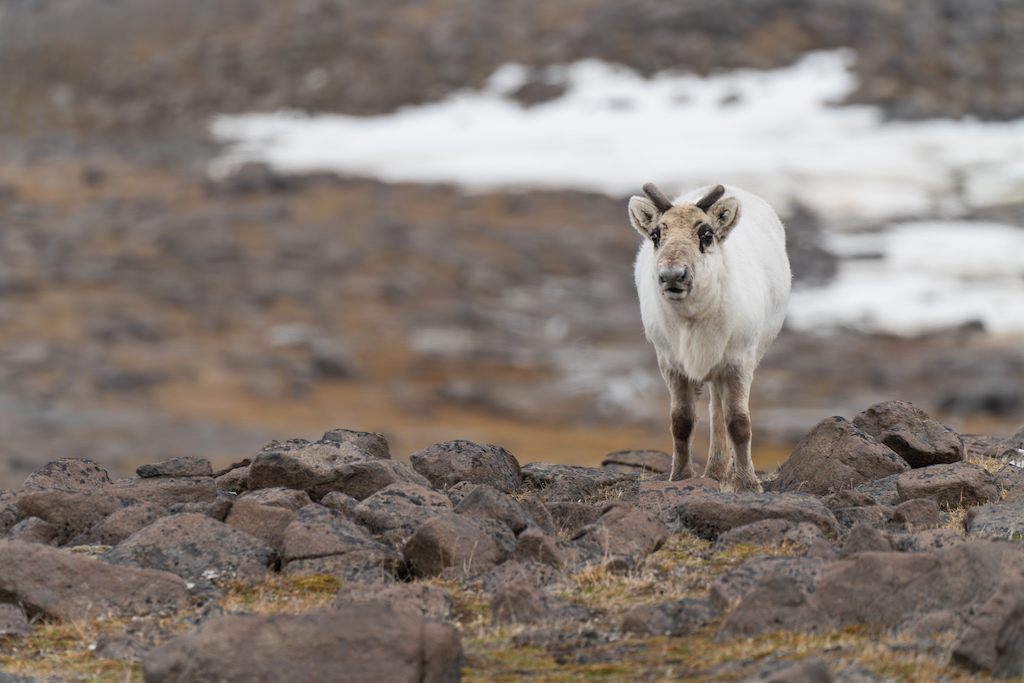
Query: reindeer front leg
719	459
737	419
684	417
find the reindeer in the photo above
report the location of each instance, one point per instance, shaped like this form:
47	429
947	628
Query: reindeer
713	280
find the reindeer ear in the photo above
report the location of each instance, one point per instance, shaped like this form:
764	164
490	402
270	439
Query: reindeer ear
724	215
643	215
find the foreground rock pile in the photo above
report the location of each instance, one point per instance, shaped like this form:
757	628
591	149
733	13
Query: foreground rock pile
901	533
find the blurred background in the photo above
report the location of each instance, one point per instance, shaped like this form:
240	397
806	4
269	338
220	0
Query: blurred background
175	279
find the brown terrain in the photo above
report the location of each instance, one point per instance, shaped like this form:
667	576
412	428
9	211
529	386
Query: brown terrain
149	312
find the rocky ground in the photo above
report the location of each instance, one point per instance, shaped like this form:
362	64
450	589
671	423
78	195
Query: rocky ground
887	548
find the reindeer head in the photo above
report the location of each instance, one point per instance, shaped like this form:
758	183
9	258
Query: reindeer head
686	237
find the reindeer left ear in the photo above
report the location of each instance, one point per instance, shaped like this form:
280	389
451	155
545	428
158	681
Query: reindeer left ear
724	215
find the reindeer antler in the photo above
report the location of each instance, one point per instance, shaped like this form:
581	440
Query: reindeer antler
661	202
710	198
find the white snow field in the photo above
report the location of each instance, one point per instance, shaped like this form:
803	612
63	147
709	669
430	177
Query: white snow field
776	133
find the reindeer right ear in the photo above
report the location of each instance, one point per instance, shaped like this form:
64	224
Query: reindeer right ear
643	215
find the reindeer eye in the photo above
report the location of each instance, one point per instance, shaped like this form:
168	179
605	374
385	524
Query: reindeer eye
707	237
656	237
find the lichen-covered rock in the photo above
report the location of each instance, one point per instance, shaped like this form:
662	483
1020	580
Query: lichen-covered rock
265	522
320	467
467	545
434	602
623	530
185	466
775	603
951	486
120	524
68	474
319	532
446	464
676	618
69	512
521	603
373	443
396	511
643	461
487	501
999	520
833	456
710	514
368	641
909	432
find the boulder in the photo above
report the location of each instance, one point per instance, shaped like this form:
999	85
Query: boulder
538	515
918	513
928	541
623	530
769	532
775	603
34	530
571	482
318	532
191	546
811	670
49	581
8	511
1009	662
569	517
371	442
185	466
344	503
463	544
446	464
865	538
323	466
999	520
70	512
847	498
910	433
68	474
368	641
536	546
883	491
521	603
877	516
13	621
122	647
528	572
644	461
487	501
279	496
120	524
433	602
396	511
728	589
165	491
664	497
886	589
833	456
976	648
265	522
952	486
709	515
676	618
233	481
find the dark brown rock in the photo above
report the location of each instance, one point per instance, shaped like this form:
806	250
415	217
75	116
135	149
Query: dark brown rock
877	516
13	621
185	466
433	602
676	618
865	538
446	464
318	532
919	513
344	503
625	531
265	522
371	442
189	545
885	589
324	466
775	603
70	512
770	532
663	498
538	515
833	456
1000	520
976	648
368	641
49	581
398	510
279	496
728	589
122	647
1009	662
911	434
654	462
121	524
928	541
68	474
520	603
528	572
34	530
165	491
847	498
570	517
354	566
960	484
455	541
8	511
234	481
708	515
487	501
534	545
811	670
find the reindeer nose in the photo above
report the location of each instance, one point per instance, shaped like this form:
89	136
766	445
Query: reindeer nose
673	278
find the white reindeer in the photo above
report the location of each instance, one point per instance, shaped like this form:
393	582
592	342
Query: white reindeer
713	279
